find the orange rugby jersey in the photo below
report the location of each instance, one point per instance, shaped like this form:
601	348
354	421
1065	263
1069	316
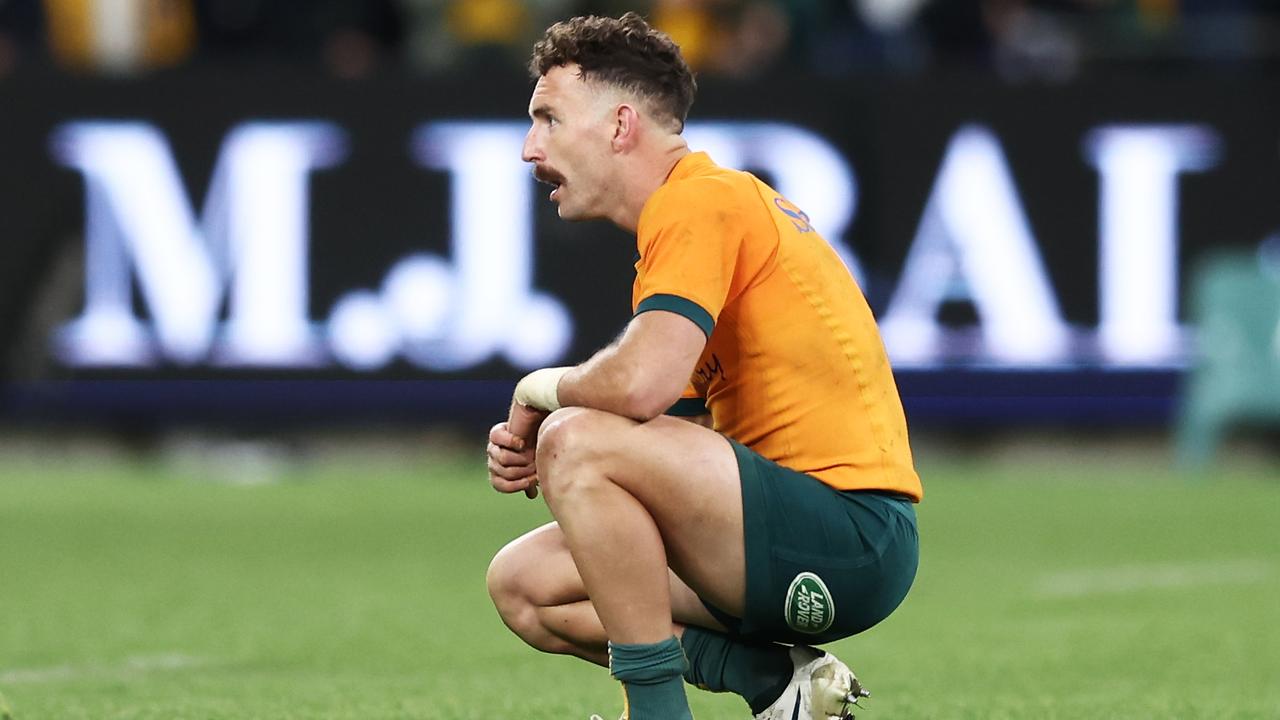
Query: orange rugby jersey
794	367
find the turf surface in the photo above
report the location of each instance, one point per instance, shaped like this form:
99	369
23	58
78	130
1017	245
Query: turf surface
1049	588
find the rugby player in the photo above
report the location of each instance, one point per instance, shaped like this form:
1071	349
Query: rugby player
719	550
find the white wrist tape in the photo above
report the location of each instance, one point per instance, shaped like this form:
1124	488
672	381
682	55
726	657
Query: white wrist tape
538	389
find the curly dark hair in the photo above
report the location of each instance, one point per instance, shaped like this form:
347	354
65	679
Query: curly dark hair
625	52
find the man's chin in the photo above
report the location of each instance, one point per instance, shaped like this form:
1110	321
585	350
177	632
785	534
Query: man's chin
575	212
571	214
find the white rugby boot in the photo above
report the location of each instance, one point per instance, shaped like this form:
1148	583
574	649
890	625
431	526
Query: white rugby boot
822	688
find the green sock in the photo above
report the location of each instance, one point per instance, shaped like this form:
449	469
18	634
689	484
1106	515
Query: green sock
759	673
650	677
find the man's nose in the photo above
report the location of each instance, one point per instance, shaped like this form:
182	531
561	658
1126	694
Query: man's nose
532	151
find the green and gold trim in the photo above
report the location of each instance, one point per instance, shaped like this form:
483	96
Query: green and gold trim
680	306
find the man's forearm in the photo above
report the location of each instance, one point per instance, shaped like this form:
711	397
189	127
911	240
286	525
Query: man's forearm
604	382
609	381
639	375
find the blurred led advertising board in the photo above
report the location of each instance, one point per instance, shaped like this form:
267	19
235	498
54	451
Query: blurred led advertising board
258	244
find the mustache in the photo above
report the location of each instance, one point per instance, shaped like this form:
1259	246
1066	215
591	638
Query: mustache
548	176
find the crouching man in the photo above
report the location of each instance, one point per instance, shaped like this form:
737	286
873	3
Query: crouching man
717	551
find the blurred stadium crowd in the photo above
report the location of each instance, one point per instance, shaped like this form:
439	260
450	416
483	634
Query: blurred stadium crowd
1049	40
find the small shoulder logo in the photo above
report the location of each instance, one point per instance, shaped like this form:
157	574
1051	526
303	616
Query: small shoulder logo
809	606
798	217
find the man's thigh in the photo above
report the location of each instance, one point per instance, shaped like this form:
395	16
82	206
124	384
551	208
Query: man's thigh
686	477
544	569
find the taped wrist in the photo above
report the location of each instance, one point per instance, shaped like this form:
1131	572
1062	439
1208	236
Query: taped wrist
539	389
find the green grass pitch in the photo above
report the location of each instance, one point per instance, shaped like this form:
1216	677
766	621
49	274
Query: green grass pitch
1049	588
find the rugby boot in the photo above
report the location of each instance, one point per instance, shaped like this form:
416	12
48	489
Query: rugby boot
821	688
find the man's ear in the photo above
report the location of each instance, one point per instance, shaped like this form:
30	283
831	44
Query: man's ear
626	128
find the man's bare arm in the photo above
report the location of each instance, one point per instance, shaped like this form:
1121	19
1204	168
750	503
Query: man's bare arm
642	373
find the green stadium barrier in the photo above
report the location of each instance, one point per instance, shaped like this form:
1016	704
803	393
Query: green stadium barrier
1236	377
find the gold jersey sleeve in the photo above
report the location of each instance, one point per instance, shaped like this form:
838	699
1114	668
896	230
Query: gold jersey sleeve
794	367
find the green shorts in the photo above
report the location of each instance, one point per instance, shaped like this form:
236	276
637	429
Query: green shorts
822	564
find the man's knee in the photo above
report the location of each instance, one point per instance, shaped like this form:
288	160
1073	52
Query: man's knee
567	431
574	438
520	595
512	598
502	581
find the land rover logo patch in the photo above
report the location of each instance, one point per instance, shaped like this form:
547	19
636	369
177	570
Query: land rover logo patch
809	607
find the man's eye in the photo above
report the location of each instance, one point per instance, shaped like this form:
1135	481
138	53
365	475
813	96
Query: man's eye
552	121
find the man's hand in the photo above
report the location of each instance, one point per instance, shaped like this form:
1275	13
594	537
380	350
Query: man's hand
524	421
512	451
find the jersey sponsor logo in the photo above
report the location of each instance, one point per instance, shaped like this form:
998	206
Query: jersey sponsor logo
710	370
809	608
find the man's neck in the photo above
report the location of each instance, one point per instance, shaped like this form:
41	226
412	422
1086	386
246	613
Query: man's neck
641	185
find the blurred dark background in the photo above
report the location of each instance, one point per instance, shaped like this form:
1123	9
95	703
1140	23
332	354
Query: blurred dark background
272	214
1016	39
